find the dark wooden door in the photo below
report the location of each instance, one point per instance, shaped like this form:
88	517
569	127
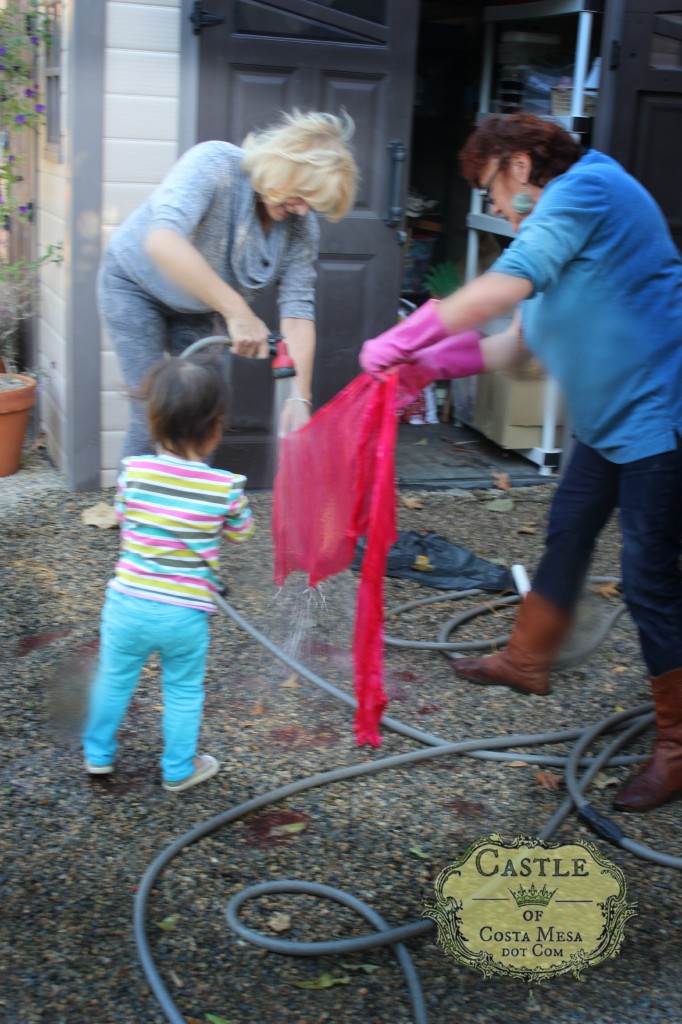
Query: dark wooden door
640	104
331	55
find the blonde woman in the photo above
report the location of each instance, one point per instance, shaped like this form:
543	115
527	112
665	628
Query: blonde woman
227	223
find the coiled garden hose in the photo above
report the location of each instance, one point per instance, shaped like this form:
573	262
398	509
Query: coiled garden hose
624	726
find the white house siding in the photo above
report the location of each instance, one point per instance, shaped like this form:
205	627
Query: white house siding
141	103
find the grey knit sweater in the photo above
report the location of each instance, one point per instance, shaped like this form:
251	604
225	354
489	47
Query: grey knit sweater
208	199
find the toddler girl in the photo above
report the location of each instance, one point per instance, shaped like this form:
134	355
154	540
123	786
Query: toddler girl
173	510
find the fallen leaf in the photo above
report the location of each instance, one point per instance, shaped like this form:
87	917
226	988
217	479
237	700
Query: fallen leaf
174	978
324	981
101	515
169	922
291	683
517	764
258	708
212	1018
289	829
367	968
548	780
601	781
501	480
410	502
500	505
422	564
418	852
423	441
620	668
279	922
527	529
609	590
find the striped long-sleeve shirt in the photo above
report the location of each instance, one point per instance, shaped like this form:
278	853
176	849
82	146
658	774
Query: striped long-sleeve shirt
173	513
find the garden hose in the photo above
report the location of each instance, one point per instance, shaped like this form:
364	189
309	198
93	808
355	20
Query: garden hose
622	727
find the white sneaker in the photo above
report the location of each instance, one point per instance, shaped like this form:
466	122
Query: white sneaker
206	766
98	769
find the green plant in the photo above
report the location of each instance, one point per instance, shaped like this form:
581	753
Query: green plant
19	298
442	280
24	27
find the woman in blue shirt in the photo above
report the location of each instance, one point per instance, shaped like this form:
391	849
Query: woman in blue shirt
597	281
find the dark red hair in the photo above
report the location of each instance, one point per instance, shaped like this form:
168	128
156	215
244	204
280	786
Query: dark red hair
551	149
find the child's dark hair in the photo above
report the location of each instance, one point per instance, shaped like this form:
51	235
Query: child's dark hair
185	399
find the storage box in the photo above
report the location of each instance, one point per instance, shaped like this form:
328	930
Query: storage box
562	97
511	411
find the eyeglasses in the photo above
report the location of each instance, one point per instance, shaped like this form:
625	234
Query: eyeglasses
484	192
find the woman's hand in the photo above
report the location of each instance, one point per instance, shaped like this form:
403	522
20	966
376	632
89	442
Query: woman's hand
295	414
249	335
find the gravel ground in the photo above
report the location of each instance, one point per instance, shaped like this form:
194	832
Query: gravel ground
74	849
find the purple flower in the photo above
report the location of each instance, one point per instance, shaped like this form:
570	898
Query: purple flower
40	108
12	158
3	51
35	40
23	209
20	119
28	92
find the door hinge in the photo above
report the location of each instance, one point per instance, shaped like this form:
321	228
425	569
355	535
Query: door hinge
203	19
614	56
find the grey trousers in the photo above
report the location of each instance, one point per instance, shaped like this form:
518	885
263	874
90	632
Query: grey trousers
142	331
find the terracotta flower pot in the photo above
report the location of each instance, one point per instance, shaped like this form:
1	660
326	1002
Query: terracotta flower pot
17	398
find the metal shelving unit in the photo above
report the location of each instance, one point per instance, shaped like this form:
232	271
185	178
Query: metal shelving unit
546	456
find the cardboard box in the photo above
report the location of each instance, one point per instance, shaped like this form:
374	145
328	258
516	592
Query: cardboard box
511	411
562	99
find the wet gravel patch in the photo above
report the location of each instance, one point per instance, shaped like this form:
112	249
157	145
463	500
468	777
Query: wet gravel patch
74	849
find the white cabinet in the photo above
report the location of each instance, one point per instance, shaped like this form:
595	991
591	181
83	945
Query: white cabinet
544	452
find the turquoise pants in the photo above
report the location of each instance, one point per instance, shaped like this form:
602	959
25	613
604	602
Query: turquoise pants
133	628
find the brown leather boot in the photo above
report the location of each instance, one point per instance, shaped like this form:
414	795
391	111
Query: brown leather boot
524	664
660	780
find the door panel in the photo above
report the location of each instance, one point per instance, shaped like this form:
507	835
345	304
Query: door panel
339	55
658	155
641	123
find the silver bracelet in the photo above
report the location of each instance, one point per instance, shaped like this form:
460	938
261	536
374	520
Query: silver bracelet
297	399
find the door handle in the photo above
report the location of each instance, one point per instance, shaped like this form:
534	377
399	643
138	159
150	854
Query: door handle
396	176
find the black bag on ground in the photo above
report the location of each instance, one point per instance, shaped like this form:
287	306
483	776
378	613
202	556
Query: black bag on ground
435	562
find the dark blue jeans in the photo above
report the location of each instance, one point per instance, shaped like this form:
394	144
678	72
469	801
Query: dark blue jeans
648	494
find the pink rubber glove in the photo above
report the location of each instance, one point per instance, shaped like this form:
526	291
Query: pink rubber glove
457	356
399	344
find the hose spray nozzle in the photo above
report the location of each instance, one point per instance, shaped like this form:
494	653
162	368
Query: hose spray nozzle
282	363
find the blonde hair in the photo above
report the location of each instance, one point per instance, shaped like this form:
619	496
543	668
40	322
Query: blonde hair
305	156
